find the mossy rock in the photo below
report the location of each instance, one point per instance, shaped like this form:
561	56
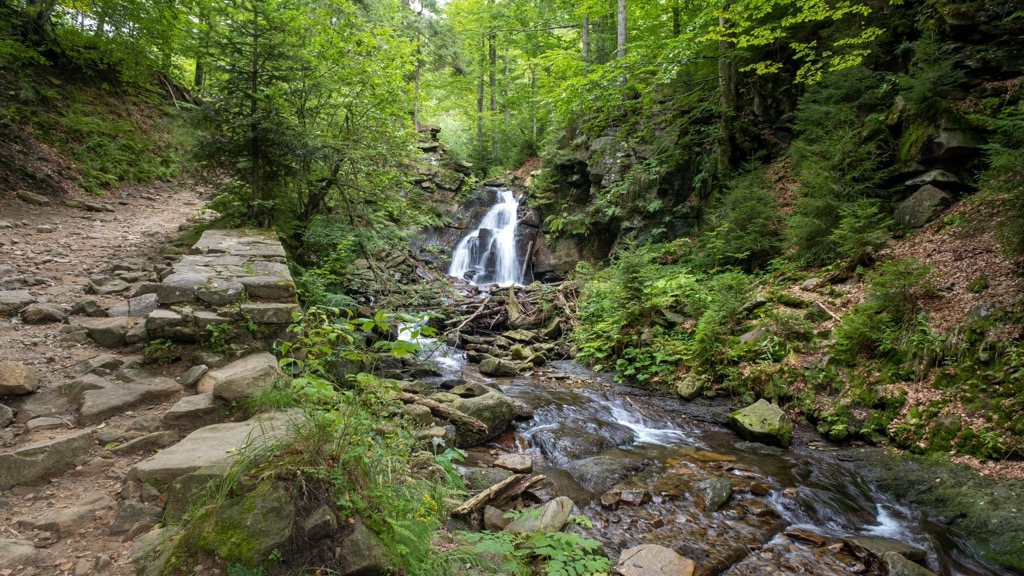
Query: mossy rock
247	529
764	422
493	409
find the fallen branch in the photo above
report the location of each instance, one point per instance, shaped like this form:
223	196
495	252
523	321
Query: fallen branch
474	315
443	411
501	492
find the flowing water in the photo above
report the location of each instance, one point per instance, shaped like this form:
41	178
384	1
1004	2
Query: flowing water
787	512
488	254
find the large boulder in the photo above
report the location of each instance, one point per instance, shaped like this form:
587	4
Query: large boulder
493	409
246	529
42	313
102	403
497	367
362	553
764	422
242	378
872	549
895	564
653	560
922	206
17	379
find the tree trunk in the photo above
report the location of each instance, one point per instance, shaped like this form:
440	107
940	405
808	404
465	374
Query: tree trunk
480	99
676	23
726	100
492	82
585	42
620	37
416	85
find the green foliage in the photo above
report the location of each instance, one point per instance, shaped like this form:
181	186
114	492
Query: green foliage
746	229
1004	176
161	351
932	79
552	553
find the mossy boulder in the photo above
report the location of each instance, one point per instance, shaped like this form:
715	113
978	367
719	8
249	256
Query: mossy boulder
691	386
497	367
247	529
763	422
493	409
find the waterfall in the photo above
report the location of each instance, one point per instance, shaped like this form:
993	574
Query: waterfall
487	255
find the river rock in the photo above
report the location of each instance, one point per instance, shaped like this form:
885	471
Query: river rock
483	478
17	379
242	378
653	560
98	405
493	409
247	528
42	313
922	206
895	564
574	440
550	517
713	492
519	463
12	301
600	473
495	520
42	459
691	386
871	549
492	366
764	422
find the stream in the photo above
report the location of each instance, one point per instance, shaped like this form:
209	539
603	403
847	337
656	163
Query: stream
643	471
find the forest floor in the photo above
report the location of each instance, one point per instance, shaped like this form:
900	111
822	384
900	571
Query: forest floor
57	248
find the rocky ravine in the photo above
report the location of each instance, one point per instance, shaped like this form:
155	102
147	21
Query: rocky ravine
72	522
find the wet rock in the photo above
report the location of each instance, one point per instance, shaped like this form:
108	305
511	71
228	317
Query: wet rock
98	405
137	307
763	422
599	473
550	517
691	386
493	409
362	553
12	301
17	379
242	378
211	446
811	538
88	307
922	206
519	463
247	528
871	549
42	459
653	560
492	366
758	508
895	564
42	313
713	493
634	496
575	440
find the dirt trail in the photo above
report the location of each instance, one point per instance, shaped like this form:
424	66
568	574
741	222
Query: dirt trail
53	250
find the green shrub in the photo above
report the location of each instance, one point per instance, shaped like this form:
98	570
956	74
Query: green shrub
1005	174
746	229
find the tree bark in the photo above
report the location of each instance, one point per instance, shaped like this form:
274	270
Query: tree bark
585	41
726	100
620	37
492	83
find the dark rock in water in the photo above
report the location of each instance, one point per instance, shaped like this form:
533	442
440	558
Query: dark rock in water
922	206
713	492
895	564
653	560
600	473
575	440
871	549
763	422
492	366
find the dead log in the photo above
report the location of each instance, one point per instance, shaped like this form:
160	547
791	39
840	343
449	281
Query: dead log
443	411
503	491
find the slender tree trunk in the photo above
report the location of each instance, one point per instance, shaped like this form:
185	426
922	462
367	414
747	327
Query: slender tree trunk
620	37
416	85
726	100
253	108
533	104
480	98
505	113
199	76
585	42
492	82
676	23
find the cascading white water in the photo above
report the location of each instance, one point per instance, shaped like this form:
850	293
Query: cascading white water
488	254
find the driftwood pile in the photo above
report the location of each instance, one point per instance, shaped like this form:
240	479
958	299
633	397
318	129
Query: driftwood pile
513	308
